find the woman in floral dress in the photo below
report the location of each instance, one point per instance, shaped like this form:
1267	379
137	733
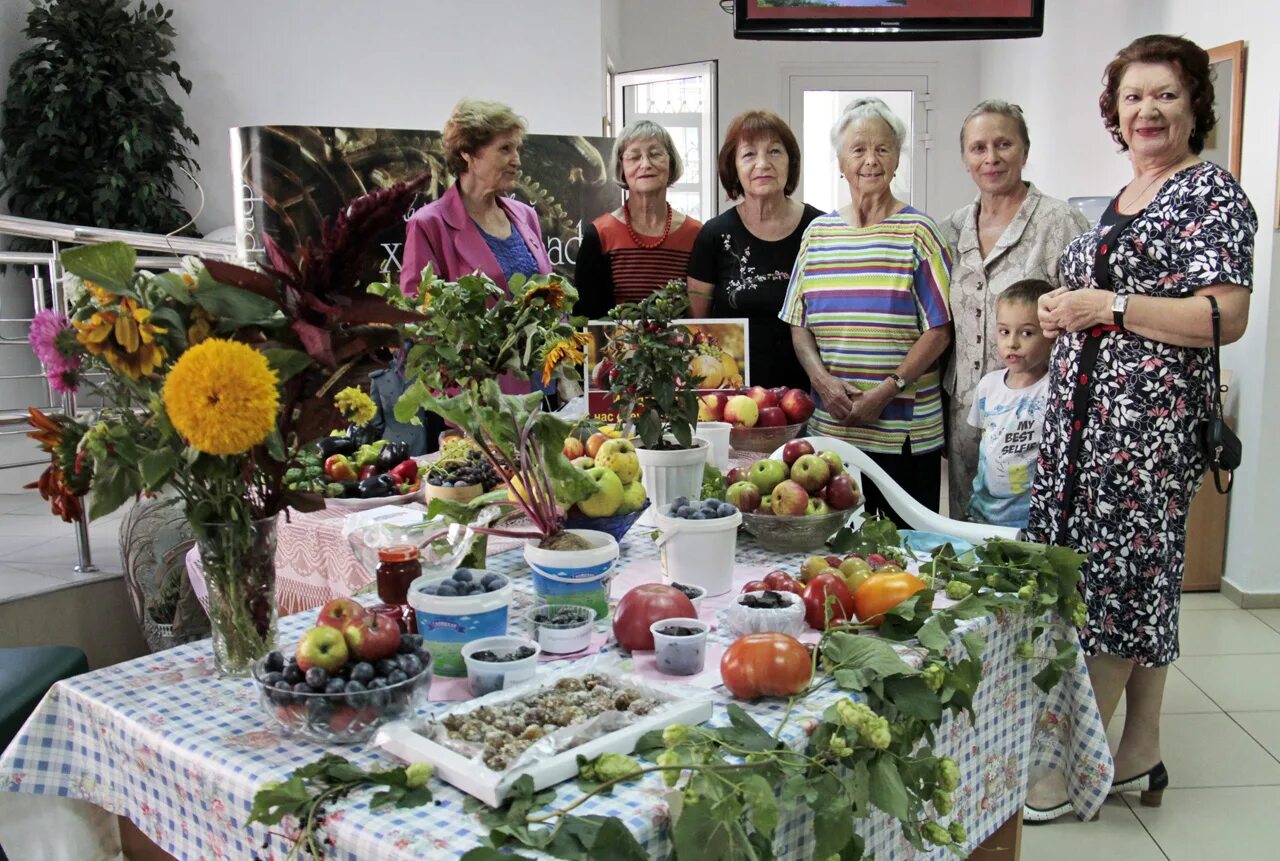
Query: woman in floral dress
1130	386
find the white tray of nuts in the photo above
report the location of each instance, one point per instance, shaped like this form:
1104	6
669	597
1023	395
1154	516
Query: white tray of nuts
540	728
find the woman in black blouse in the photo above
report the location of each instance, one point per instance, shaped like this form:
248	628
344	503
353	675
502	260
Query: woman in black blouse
742	259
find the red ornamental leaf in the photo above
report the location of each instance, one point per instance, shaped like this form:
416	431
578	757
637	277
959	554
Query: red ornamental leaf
280	261
245	279
376	310
316	341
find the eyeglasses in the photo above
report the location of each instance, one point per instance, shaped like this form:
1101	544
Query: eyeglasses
655	156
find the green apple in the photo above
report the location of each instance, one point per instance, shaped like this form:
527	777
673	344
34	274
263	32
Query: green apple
322	647
766	505
633	498
608	496
767	474
620	456
584	462
816	507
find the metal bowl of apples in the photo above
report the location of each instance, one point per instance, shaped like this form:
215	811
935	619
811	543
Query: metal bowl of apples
329	695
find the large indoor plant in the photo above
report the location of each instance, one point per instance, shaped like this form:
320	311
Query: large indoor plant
89	133
655	392
214	378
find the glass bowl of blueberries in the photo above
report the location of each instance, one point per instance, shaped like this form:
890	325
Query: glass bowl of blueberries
345	704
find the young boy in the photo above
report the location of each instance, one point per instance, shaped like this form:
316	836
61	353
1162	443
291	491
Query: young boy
1009	406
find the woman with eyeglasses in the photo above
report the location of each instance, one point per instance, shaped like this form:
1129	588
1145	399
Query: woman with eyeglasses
629	253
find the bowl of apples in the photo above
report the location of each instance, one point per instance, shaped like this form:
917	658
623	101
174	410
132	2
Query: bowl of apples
347	676
762	419
795	503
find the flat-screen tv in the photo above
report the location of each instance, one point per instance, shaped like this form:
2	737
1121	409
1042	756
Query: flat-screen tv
917	20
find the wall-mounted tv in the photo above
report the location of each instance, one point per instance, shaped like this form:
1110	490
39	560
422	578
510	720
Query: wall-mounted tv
918	20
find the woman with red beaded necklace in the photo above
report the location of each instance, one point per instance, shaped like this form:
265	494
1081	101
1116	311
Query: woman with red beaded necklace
627	254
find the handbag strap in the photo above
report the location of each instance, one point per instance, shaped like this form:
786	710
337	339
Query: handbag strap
1215	400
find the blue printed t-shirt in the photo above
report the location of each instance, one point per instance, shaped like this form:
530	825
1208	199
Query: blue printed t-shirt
1012	421
512	254
867	294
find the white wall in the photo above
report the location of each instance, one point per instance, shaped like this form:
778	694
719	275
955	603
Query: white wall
667	32
1057	80
380	63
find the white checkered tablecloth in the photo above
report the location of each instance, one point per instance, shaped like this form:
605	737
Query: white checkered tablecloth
165	742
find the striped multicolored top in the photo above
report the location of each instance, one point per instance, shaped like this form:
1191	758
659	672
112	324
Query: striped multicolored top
867	294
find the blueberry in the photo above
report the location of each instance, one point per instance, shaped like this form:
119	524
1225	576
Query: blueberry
488	578
434	482
362	672
293	674
680	502
727	510
462	576
448	589
282	695
317	677
414	641
270	679
377	682
274	662
386	667
319	708
431	590
379	699
685	511
698	515
355	694
396	677
410	664
335	686
494	586
711	503
424	655
302	688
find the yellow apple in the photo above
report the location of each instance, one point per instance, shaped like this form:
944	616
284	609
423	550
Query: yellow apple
608	496
633	498
620	456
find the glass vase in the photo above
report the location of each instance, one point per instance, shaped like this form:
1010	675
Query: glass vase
239	561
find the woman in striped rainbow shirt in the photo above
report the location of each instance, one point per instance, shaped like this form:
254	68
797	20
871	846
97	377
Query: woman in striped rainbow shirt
868	309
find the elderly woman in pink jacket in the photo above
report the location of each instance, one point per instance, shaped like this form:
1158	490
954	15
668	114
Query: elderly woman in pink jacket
473	226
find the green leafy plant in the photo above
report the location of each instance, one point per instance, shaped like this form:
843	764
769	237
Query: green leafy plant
651	380
89	133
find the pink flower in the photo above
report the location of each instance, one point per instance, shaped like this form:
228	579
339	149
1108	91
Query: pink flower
53	341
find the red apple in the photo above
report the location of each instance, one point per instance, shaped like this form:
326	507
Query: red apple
778	392
372	638
742	411
711	407
744	495
810	472
843	493
340	612
772	417
322	647
573	448
833	560
793	450
737	474
833	460
762	396
789	498
797	405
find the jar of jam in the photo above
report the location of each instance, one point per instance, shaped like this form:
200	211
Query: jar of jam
398	566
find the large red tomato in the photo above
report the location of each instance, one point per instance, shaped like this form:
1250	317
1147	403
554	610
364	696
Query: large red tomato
766	665
881	592
815	601
644	605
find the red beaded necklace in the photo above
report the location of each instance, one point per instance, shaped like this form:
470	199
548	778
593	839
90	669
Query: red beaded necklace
635	237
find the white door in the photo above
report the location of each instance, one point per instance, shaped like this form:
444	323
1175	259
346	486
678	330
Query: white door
681	99
815	104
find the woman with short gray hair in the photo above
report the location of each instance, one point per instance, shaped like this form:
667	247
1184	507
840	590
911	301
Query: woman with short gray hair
629	253
1009	233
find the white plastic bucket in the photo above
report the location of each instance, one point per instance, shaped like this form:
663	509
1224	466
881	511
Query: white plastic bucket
448	623
578	577
717	435
699	552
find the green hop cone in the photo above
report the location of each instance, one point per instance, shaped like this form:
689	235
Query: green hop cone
876	733
1079	615
1028	592
958	834
854	714
936	834
615	766
958	589
1025	649
934	676
948	774
942	802
418	774
670	762
674	735
839	747
992	580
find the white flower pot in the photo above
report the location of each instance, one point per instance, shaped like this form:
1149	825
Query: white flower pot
669	473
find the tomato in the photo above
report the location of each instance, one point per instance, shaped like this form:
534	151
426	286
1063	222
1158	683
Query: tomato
756	586
816	613
644	605
766	665
781	581
883	592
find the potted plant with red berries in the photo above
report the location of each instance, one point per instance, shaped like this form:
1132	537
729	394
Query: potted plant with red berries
654	391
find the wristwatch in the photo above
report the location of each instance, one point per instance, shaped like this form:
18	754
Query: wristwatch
1118	305
898	381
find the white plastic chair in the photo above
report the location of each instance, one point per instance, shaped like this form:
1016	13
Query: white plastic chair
863	468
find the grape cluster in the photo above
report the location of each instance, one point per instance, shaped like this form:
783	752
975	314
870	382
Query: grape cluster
464	472
463	583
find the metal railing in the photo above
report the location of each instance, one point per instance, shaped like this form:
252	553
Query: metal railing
166	251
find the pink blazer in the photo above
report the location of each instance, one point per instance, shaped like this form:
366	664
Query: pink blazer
443	233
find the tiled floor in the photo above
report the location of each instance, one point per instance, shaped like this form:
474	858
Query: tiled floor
1221	733
1220	737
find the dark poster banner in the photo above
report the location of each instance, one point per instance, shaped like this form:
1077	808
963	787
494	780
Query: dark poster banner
290	178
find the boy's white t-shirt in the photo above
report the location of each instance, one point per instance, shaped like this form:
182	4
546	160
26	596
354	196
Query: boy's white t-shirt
1012	421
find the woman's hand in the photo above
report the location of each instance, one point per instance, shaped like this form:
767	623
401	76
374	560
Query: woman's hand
1066	310
837	396
867	406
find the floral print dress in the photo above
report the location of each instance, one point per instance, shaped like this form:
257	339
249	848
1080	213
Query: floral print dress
1120	460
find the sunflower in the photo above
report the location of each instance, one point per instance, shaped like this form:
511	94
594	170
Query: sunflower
125	336
551	291
201	326
571	349
356	407
221	396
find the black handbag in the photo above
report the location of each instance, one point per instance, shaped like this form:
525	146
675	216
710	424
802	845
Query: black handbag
1220	443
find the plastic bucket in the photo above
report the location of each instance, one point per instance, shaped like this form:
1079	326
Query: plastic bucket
699	552
575	576
449	623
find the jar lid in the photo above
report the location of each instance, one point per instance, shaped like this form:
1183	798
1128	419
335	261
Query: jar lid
397	553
